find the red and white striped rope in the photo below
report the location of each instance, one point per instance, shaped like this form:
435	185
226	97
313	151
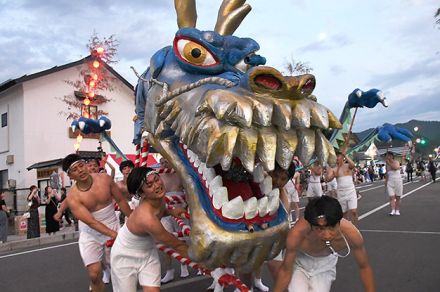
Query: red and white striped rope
224	280
171	200
186	229
179	234
166	170
177	256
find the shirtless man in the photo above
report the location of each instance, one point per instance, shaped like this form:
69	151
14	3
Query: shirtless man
125	167
173	187
314	188
346	192
134	254
90	201
393	183
314	245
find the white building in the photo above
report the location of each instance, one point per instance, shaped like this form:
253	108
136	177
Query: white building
33	133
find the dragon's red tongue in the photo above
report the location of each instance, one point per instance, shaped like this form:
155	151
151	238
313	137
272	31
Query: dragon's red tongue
245	189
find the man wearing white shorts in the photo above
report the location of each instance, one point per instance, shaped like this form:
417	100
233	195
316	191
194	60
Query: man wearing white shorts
393	183
346	192
314	188
90	200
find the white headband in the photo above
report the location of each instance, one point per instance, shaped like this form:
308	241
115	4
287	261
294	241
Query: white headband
75	163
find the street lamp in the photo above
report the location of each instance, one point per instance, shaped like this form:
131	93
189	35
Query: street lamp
416	129
418	140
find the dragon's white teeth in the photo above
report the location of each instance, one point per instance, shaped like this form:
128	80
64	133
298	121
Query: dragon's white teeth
274	203
234	209
215	182
219	197
81	125
258	173
201	168
73	128
262	206
197	162
274	193
101	123
359	93
266	185
250	208
190	155
209	174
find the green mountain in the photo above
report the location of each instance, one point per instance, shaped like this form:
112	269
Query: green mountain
427	130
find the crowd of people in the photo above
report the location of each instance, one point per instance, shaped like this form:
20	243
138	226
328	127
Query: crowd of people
137	203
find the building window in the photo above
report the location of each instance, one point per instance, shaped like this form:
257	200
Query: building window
3	179
89	111
4	120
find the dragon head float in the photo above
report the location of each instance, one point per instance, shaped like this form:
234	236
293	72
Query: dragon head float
223	120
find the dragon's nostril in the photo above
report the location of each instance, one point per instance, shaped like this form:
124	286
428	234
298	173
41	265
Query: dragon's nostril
308	86
268	81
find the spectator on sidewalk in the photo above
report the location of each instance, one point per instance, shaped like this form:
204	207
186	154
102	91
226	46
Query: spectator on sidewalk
52	225
66	212
432	168
409	170
33	224
4	214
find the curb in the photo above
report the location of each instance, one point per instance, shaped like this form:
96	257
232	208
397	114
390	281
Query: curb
26	243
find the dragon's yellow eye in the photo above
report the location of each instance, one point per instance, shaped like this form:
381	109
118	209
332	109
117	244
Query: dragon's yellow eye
194	53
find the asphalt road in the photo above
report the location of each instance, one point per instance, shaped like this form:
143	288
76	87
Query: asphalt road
404	251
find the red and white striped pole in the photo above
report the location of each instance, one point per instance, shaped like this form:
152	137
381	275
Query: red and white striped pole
144	153
138	155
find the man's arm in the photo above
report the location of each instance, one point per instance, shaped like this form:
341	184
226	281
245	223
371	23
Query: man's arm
294	238
284	199
154	227
83	214
329	174
175	212
63	206
119	198
112	168
360	254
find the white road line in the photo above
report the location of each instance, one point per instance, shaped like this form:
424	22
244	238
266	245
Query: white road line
382	185
35	250
404	232
386	204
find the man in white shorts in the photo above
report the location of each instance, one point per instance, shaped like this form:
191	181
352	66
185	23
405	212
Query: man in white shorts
90	200
393	183
331	185
346	192
173	188
314	188
134	256
314	245
292	195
